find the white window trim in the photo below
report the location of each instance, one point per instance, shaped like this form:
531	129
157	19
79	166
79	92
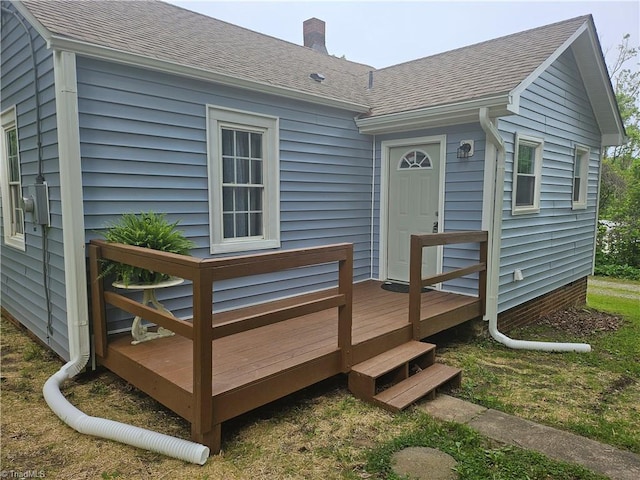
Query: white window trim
538	143
581	154
8	121
217	118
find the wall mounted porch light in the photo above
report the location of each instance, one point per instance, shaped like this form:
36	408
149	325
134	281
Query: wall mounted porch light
465	150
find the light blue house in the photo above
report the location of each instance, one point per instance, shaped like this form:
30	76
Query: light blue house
254	143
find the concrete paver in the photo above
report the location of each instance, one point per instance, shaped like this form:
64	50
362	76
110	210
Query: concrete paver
452	409
557	444
422	463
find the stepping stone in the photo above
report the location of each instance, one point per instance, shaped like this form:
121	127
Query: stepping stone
422	463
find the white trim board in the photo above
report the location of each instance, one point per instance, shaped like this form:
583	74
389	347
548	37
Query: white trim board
71	199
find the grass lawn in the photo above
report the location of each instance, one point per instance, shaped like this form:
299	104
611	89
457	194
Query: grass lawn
596	394
324	432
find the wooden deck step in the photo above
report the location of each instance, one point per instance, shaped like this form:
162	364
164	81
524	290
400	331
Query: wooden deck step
379	365
424	383
374	375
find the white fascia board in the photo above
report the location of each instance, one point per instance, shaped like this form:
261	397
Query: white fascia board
613	139
522	86
514	104
440	116
593	69
33	21
118	56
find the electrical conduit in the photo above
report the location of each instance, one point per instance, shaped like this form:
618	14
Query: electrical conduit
494	138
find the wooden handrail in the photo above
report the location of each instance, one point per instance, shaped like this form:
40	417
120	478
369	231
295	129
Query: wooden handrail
458	272
172	264
416	282
221	269
270	317
248	265
203	273
449	238
176	325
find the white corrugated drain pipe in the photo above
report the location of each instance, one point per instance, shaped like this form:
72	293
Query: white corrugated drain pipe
493	136
120	432
101	427
76	287
109	429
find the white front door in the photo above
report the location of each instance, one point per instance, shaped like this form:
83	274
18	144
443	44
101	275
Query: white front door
414	199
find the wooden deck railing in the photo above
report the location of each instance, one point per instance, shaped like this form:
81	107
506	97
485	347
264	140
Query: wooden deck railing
203	273
417	283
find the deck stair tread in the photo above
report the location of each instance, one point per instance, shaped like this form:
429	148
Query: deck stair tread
400	376
415	387
385	362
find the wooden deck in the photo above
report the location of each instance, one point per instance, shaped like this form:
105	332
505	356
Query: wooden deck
262	353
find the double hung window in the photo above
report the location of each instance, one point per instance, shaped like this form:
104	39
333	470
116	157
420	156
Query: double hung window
12	210
527	171
243	180
580	171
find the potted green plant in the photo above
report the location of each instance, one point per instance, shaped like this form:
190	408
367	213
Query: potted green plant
149	230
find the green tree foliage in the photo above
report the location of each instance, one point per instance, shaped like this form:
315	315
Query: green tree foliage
626	83
619	248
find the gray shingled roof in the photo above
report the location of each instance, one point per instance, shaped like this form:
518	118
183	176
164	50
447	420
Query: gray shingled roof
486	69
166	32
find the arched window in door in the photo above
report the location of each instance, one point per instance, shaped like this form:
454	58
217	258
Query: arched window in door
415	159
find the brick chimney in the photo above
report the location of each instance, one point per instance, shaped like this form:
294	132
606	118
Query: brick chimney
313	34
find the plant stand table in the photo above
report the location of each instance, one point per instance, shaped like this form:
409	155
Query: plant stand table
140	332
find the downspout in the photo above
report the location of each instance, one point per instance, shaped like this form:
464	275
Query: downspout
76	286
373	201
493	136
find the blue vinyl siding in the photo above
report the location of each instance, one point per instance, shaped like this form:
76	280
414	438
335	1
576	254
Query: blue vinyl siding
144	147
22	273
463	197
554	246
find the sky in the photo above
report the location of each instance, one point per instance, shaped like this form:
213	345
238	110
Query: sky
384	33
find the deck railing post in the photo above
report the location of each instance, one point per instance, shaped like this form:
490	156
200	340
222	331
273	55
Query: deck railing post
345	287
482	276
415	284
202	428
97	302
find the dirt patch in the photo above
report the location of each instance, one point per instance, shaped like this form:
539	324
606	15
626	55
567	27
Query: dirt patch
582	321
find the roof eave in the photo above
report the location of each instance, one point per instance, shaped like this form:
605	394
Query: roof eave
599	88
56	42
613	139
524	84
35	23
593	70
437	116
